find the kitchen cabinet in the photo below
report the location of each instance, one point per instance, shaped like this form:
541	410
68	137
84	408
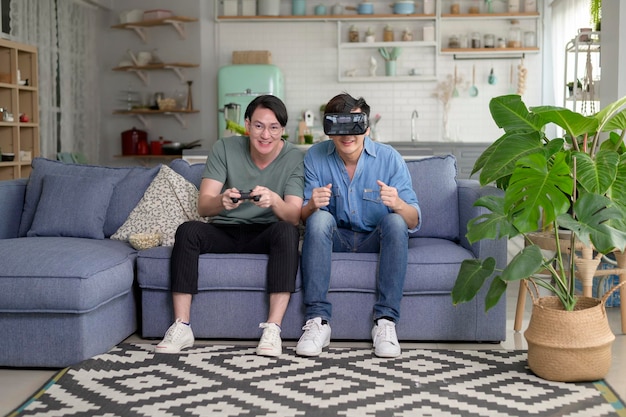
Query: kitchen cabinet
141	28
18	96
582	58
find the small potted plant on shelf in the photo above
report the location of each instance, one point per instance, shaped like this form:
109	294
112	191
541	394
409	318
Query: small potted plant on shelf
574	186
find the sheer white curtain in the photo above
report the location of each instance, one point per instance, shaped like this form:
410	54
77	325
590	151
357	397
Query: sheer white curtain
68	105
567	17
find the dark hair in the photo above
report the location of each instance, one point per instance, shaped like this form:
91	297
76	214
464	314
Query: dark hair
269	102
345	103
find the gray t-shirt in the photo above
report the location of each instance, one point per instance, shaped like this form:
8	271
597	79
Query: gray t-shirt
230	163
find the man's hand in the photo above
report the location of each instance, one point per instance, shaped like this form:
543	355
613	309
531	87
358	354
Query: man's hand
389	196
320	197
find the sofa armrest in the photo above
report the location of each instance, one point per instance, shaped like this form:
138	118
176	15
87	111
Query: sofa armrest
12	194
469	192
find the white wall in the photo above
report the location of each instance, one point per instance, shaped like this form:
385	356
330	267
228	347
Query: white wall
307	54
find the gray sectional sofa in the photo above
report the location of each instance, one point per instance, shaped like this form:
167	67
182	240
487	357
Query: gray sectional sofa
68	291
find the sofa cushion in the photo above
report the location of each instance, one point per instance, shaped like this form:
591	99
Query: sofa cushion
191	172
169	201
72	206
434	181
131	182
71	275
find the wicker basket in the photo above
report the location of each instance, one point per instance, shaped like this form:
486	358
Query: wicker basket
569	346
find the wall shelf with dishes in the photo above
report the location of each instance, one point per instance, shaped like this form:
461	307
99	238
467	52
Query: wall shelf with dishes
489	29
140	27
19	114
142	70
142	113
383	51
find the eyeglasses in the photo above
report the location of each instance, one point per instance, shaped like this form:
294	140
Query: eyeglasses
274	129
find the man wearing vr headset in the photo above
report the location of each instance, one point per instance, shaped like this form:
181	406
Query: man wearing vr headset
358	197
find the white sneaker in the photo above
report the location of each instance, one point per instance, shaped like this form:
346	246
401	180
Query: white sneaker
386	343
179	336
315	337
270	343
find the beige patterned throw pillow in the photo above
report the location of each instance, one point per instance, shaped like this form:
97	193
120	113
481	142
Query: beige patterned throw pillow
169	201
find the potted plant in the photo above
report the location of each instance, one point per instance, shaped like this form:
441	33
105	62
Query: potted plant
595	10
573	184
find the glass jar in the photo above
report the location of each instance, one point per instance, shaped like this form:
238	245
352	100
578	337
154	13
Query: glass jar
388	34
353	34
476	40
530	40
463	42
501	43
453	42
530	6
515	35
513	6
489	40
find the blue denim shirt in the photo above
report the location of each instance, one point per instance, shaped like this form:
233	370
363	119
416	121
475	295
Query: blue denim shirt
356	204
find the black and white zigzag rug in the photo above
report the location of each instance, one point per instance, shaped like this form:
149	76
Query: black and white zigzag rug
219	380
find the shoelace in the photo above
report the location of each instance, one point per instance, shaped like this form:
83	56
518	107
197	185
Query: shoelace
270	334
385	331
173	332
311	330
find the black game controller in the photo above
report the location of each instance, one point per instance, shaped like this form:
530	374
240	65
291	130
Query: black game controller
245	196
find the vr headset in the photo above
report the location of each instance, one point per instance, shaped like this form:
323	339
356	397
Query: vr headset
345	124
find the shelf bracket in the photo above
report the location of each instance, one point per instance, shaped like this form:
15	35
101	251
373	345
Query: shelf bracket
178	72
181	119
179	26
141	32
143	75
143	120
482	57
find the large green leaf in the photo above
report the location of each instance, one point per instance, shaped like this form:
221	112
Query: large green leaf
596	175
510	113
496	289
591	225
527	262
492	225
575	124
538	188
471	277
500	158
612	116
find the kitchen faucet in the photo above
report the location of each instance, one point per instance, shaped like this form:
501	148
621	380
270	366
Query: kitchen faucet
414	117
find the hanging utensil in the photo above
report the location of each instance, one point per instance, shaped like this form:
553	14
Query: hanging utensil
455	93
492	78
473	91
511	88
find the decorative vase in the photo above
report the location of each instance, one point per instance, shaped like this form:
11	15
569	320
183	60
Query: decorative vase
390	68
569	346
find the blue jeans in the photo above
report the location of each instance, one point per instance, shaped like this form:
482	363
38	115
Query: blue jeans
323	237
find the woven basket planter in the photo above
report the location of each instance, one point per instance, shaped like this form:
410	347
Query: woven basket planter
569	346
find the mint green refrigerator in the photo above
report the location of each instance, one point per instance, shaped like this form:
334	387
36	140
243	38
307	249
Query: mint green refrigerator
239	84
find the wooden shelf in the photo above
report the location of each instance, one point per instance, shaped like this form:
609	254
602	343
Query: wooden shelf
142	113
177	22
142	70
329	17
17	137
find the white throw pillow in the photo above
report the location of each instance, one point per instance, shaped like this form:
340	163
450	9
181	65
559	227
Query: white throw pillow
169	201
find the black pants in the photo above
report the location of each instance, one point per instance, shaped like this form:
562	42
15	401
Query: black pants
278	240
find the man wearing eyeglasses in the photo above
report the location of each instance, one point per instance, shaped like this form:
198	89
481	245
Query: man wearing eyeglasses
358	197
252	187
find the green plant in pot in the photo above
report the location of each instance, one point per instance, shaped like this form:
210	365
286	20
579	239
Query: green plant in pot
572	185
